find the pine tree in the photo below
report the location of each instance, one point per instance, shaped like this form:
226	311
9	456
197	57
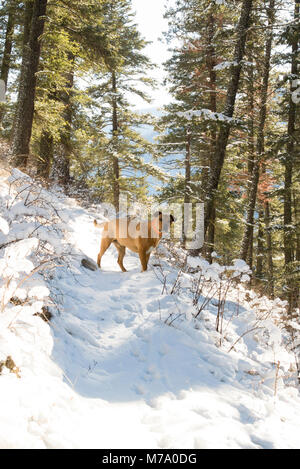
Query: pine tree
292	236
10	10
70	47
34	23
260	144
223	135
125	72
198	71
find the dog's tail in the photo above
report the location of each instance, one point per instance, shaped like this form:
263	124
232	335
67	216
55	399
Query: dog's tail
99	225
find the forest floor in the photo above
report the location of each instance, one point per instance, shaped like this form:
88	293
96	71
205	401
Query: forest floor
123	363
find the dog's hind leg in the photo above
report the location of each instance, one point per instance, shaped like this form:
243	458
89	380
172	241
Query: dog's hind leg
121	251
105	243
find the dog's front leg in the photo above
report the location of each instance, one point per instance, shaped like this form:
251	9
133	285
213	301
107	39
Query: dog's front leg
144	259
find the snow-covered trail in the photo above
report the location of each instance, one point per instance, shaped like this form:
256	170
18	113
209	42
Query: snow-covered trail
111	342
112	345
111	371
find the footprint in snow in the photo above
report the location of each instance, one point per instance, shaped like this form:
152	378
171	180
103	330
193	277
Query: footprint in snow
143	335
153	306
151	374
129	308
123	318
121	298
138	355
118	319
129	321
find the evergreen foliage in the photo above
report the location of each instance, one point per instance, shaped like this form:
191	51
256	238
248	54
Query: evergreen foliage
228	138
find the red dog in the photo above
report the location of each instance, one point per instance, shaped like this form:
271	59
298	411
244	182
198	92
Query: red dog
140	237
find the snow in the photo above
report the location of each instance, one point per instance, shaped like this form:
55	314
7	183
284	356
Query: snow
207	114
4	226
123	362
225	65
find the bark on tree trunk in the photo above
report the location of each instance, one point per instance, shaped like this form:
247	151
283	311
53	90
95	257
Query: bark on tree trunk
287	218
43	163
249	223
222	138
27	86
8	44
115	130
291	236
27	18
64	147
6	59
270	273
260	247
295	303
209	244
290	156
296	197
187	183
260	137
251	155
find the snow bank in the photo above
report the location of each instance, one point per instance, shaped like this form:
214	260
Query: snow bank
163	359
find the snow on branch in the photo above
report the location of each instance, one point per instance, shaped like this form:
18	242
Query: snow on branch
208	115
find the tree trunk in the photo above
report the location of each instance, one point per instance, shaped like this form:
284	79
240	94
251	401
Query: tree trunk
249	223
27	86
270	273
260	137
187	164
288	233
260	246
6	59
5	66
63	149
43	162
222	138
297	222
291	245
27	18
251	153
295	303
187	185
27	25
290	156
209	243
115	130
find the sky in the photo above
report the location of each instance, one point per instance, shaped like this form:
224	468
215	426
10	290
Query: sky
151	24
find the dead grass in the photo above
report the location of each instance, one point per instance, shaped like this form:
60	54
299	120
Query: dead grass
10	364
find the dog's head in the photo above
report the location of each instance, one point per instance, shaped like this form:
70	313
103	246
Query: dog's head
165	220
